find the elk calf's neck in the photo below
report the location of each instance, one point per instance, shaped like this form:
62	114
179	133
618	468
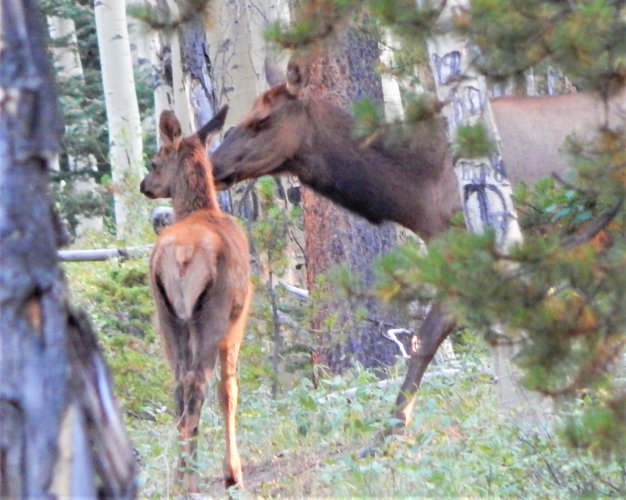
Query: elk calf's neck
200	280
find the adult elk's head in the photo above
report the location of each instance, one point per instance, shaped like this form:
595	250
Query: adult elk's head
165	165
267	138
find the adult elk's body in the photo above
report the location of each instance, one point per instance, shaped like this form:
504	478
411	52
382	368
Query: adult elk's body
200	279
290	132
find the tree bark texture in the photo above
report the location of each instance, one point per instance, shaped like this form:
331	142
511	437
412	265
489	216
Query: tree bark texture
61	433
335	236
239	51
125	137
161	63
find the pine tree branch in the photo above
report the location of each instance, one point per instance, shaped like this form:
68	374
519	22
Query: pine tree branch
594	227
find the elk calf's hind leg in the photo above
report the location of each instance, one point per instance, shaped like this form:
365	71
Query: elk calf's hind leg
228	395
189	396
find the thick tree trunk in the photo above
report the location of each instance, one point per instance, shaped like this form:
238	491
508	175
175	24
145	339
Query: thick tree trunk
335	236
61	432
126	145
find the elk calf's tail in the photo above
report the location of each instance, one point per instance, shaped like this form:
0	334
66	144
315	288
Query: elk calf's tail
185	264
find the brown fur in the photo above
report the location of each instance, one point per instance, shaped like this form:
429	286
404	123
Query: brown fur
414	184
287	131
314	140
199	273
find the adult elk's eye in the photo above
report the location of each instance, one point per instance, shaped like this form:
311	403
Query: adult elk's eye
261	124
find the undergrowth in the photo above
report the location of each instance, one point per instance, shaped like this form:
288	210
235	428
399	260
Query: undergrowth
307	442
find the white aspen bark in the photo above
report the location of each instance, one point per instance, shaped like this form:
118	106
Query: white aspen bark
394	110
139	36
126	145
392	96
531	83
68	60
485	189
180	104
239	51
65	57
244	65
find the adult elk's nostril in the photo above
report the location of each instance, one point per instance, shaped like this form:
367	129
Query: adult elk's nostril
142	188
229	180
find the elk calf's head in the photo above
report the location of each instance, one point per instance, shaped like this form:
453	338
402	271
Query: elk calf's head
264	141
165	166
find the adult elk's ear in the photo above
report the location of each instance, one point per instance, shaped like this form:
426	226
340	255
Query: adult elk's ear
213	126
273	74
169	129
297	75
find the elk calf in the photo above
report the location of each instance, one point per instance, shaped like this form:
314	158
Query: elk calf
200	280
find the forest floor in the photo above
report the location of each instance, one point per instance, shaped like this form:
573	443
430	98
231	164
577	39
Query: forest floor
306	441
306	445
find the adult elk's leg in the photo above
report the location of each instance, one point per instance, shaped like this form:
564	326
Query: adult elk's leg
433	331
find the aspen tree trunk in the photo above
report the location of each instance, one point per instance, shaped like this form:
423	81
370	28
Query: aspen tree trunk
125	141
335	236
485	189
161	64
392	96
67	59
183	74
394	110
240	53
194	95
61	433
244	65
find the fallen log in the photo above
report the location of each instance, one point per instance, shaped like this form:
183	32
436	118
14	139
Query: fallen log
103	254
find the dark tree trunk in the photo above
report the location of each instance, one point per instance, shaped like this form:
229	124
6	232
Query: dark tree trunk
60	430
335	236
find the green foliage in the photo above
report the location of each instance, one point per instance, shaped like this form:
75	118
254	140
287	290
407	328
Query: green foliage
368	117
419	108
307	443
586	39
549	203
116	295
566	302
270	235
472	141
562	290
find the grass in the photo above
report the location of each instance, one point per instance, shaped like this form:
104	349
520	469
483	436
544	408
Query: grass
307	443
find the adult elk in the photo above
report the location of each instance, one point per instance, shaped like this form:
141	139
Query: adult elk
288	131
200	280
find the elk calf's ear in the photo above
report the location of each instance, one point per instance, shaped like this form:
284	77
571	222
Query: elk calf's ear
170	129
213	126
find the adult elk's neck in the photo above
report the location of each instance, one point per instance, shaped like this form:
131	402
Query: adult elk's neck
413	185
194	187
